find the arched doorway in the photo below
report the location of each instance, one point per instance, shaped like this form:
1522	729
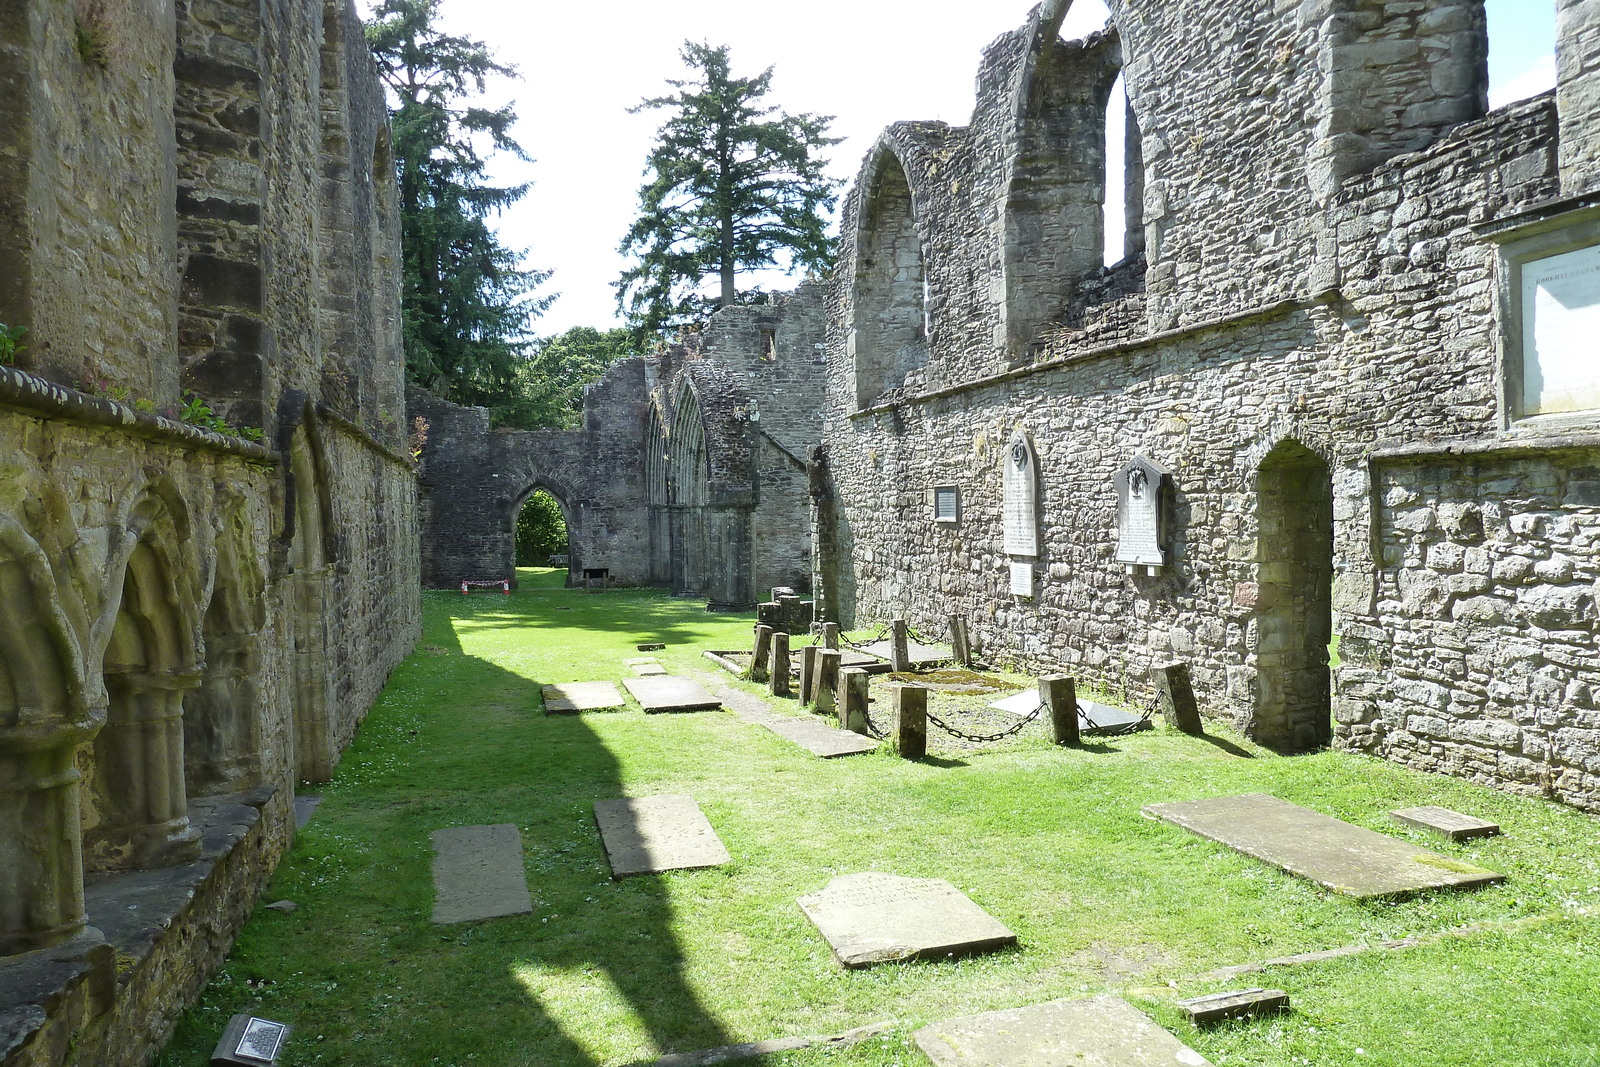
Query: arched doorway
688	472
1294	617
541	532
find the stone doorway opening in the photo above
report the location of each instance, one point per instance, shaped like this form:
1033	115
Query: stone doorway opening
541	531
1294	617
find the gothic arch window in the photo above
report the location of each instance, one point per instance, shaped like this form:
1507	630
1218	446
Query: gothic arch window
889	329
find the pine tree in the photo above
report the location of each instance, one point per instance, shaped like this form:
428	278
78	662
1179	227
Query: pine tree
733	186
467	301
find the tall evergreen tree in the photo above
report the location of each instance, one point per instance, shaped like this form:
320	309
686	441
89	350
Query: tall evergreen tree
734	186
467	301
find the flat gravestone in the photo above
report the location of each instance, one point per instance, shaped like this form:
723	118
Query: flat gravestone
917	654
1091	715
873	917
478	873
1452	824
1103	1031
670	693
643	835
1349	860
646	667
570	697
816	737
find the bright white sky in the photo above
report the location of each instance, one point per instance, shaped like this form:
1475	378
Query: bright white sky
866	62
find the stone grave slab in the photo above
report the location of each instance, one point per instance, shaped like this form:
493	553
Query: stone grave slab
1103	1031
873	917
811	734
668	692
918	654
305	806
1092	715
570	697
1452	824
644	835
645	667
1235	1004
1347	859
478	873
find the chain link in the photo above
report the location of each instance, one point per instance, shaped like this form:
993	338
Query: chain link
986	738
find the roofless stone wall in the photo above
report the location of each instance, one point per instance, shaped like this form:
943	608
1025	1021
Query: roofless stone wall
1326	342
193	196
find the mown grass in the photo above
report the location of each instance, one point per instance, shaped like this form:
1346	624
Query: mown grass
1049	841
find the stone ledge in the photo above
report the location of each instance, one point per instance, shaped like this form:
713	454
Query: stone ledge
89	992
22	391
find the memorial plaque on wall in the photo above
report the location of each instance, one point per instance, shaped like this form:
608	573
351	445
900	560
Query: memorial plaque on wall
1560	320
1141	513
1022	497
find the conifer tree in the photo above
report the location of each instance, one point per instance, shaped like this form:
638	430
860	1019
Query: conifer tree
734	186
466	299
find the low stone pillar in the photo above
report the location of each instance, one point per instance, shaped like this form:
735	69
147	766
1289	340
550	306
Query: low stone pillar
1059	695
899	646
779	682
758	662
823	690
41	837
959	644
830	635
142	811
911	720
853	686
1175	697
808	672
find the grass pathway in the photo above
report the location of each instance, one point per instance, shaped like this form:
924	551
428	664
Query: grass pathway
1051	842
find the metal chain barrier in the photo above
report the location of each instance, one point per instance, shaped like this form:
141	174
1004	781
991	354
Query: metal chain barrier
860	646
985	738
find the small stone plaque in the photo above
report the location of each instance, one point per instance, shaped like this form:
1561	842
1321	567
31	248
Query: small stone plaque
1021	579
1350	860
873	918
1140	503
1452	824
251	1041
671	693
1237	1004
1095	1032
478	873
644	835
570	697
1560	319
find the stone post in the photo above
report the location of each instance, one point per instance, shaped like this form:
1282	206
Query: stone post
142	805
779	681
899	646
958	640
1176	698
830	635
808	672
1059	695
911	720
41	864
827	683
853	682
758	662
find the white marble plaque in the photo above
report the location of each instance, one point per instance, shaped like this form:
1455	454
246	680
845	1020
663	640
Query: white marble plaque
1139	518
946	503
1021	579
1561	332
1022	497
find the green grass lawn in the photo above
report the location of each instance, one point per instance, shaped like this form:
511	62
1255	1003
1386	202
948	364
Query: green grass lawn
1049	841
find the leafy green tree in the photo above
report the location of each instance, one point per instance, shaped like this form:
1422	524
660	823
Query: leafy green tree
541	530
466	299
552	392
734	186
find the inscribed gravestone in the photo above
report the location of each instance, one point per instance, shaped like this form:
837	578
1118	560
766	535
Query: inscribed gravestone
1141	500
1103	1031
872	917
1021	497
643	835
1560	320
478	873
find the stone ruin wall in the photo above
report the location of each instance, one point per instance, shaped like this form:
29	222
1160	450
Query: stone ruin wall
1314	350
689	470
193	196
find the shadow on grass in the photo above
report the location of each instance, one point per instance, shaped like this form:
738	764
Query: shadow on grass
1227	746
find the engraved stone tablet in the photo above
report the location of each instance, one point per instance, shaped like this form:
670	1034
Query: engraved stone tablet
873	918
1021	579
478	873
1022	499
569	697
252	1041
643	835
1096	1032
1560	321
1140	502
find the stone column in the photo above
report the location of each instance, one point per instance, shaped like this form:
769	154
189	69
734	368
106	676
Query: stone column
808	672
763	649
1059	695
779	682
899	646
1578	94
41	853
142	806
911	720
827	683
853	685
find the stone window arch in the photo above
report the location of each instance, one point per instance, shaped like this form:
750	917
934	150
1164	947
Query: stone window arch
310	594
888	339
688	478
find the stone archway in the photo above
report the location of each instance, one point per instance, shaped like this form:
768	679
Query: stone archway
310	582
688	475
569	516
1294	614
